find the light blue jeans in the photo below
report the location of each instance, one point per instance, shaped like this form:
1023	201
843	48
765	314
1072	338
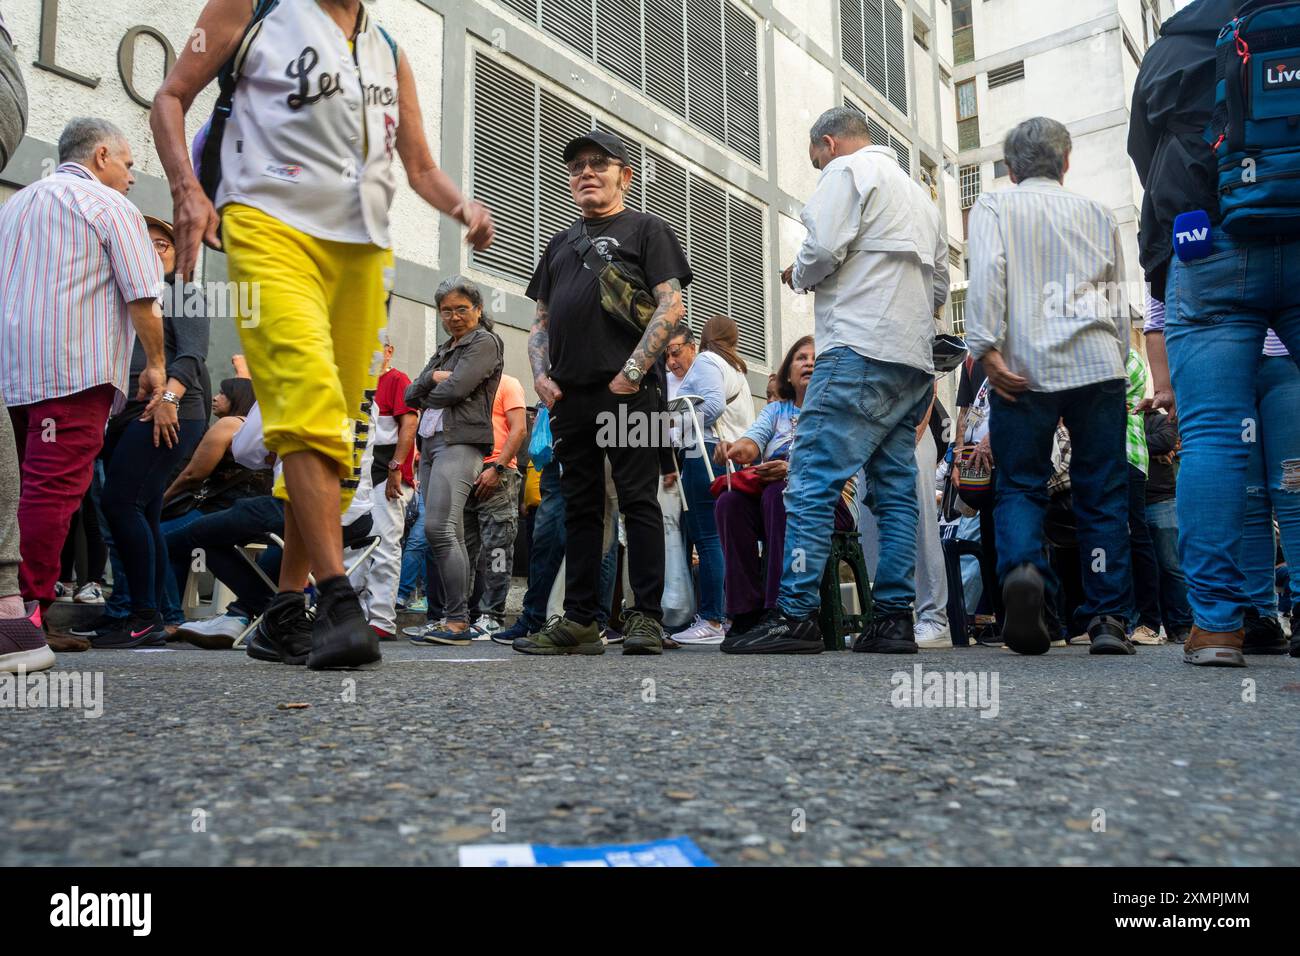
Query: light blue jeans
1277	384
1218	311
858	412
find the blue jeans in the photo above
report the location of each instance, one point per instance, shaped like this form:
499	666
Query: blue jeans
547	550
1162	521
414	556
857	412
217	536
1218	310
703	531
171	609
1020	433
1277	386
118	604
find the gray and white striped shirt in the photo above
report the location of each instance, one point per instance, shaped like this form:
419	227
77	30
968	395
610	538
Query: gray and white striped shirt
1046	286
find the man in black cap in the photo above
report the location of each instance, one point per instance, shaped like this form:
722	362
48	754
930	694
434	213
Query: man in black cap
595	371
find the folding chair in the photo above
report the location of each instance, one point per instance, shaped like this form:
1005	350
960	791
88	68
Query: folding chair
360	551
686	404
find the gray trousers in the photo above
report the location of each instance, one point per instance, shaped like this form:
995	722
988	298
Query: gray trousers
931	574
447	476
9	556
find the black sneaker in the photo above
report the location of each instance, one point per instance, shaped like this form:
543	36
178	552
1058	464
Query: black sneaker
1109	636
97	628
1263	635
890	634
776	633
1025	628
283	635
341	637
642	634
986	635
1180	635
138	630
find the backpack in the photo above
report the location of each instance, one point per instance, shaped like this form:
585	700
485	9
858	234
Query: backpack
206	152
1255	128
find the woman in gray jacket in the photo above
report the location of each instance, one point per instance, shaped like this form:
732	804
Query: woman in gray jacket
456	391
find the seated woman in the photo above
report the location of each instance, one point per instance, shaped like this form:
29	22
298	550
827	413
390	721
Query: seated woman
212	477
744	519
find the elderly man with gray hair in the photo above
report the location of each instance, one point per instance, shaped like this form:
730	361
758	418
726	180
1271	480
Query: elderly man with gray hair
79	279
1046	314
877	257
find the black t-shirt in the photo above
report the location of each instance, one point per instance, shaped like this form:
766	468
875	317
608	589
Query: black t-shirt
972	378
587	346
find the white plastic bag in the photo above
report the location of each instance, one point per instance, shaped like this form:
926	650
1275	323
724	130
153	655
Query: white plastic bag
679	590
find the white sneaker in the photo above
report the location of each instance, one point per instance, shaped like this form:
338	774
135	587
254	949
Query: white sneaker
1144	635
486	625
213	632
89	594
1080	640
64	592
701	632
932	635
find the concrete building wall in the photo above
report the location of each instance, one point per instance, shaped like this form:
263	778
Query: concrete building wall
801	68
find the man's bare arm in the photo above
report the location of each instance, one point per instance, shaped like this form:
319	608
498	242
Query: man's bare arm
669	316
539	357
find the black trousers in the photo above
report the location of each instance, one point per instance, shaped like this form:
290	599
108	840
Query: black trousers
1146	569
590	424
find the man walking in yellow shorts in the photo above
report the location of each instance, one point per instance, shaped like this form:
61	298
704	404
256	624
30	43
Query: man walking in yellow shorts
323	98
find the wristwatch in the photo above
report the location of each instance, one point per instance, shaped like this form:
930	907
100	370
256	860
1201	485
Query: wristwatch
501	469
394	465
171	398
632	372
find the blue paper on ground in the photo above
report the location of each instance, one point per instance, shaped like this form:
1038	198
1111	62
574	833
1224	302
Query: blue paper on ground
679	851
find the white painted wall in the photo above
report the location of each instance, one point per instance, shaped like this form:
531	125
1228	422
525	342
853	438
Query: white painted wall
805	90
814	18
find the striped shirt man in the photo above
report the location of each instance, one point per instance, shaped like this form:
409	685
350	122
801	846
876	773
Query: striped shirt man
73	253
1046	286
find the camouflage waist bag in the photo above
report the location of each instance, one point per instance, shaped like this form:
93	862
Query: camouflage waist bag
623	297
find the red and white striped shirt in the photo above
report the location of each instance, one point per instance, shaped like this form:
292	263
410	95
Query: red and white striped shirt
73	253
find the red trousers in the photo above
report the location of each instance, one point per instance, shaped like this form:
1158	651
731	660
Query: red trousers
57	440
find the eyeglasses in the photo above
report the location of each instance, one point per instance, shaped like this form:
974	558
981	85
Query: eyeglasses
675	351
162	245
460	312
598	164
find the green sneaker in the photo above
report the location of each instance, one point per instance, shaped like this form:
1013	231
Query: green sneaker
561	636
642	634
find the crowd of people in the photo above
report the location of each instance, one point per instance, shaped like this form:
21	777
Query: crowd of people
1110	504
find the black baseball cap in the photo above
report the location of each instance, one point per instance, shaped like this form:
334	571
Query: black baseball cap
607	143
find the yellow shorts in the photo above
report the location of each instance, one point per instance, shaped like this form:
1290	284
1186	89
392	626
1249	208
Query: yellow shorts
311	335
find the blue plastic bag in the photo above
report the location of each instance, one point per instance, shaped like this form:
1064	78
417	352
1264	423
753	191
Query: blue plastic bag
540	448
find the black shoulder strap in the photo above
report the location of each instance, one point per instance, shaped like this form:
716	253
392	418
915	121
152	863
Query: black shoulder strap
586	249
227	81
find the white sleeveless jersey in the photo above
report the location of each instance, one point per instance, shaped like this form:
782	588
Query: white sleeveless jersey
313	126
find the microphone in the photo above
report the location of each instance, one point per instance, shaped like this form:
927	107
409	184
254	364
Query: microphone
1193	236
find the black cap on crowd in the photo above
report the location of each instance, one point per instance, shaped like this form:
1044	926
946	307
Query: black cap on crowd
607	143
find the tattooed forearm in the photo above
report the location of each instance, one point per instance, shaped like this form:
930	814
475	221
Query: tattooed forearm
664	324
539	342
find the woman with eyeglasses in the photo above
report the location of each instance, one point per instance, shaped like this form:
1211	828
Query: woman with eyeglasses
455	392
140	456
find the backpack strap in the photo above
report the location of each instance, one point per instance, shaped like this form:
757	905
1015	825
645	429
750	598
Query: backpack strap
581	243
227	81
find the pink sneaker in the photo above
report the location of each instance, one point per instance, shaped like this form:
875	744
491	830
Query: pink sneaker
22	643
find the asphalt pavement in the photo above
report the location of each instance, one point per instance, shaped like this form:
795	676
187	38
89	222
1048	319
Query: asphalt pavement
200	759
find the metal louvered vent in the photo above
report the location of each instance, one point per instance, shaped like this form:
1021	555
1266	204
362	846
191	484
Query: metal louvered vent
618	38
874	46
873	37
851	35
699	58
896	56
528	189
571	21
705	71
526	8
1006	74
708	252
560	122
904	152
665	50
748	277
504	166
743	114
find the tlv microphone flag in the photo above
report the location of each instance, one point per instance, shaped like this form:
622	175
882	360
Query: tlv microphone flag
1193	236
